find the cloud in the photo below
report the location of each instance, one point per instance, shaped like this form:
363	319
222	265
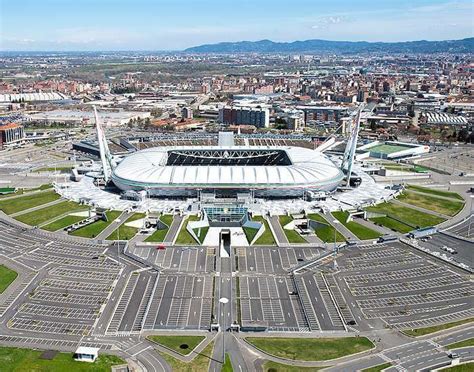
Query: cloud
326	22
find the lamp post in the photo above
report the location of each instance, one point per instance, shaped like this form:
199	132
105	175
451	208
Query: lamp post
470	218
222	302
335	222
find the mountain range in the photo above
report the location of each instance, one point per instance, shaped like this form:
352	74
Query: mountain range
339	47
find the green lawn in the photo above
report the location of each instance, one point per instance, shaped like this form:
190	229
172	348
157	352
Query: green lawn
427	190
22	203
199	364
325	233
291	235
362	232
392	224
43	215
313	349
25	191
378	368
201	233
432	203
26	360
159	235
270	366
468	342
94	229
185	238
466	367
227	366
7	276
174	342
408	215
249	233
387	148
62	223
267	237
433	329
126	232
52	169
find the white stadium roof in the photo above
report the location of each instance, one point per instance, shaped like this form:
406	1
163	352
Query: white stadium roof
27	97
150	168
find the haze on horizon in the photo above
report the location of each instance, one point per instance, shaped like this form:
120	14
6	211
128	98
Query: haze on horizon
87	25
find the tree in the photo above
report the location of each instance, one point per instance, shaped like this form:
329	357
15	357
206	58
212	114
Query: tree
463	135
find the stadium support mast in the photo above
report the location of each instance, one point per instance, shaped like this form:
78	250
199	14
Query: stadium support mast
108	164
349	153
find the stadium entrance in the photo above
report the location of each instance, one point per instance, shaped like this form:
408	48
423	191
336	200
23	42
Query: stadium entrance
224	242
226	215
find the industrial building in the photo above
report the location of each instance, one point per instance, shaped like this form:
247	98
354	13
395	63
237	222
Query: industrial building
11	134
257	116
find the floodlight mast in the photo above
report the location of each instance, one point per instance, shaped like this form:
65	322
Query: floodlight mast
349	153
108	163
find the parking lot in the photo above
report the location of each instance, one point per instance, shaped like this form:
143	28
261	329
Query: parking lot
272	297
271	301
463	229
272	260
187	259
441	244
402	287
68	295
181	302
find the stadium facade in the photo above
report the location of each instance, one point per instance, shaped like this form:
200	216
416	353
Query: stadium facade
227	170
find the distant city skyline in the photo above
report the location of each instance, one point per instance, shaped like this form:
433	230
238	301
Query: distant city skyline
87	25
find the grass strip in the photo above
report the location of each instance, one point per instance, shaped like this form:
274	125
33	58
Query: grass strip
311	349
426	331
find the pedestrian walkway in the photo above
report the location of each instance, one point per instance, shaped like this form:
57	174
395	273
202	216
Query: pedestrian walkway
278	232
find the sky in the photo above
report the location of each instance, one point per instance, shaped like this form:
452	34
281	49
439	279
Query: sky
81	25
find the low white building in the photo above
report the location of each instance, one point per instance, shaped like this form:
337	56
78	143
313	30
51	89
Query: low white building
86	354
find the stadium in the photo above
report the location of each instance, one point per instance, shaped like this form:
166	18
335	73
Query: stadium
184	171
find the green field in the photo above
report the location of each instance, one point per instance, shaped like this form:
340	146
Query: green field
25	191
27	201
267	237
174	342
7	276
126	232
427	190
466	367
291	235
387	149
465	343
53	169
426	331
62	223
378	368
201	233
26	360
159	235
408	215
392	224
362	232
43	215
249	233
271	366
325	233
432	203
185	238
198	364
312	349
94	229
